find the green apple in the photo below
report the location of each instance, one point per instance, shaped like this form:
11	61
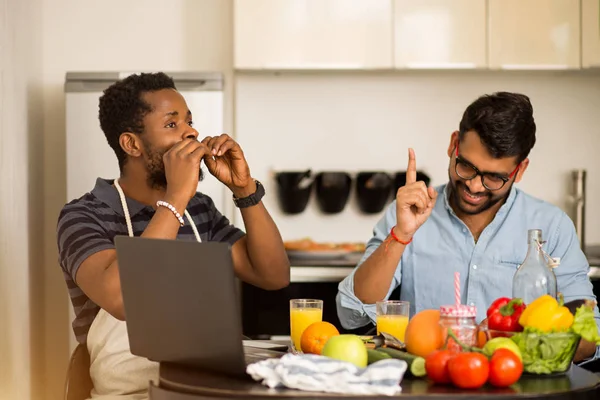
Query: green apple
346	347
501	343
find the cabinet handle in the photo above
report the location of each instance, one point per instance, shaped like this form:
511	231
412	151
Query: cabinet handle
440	65
548	67
315	66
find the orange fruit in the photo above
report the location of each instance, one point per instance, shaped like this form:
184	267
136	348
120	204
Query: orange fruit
316	335
482	336
481	339
424	334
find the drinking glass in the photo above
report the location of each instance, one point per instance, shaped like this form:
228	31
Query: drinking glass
303	312
392	317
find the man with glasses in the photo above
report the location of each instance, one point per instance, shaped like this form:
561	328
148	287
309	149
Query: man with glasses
476	225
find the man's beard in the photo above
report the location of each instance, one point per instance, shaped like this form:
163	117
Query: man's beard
456	189
155	167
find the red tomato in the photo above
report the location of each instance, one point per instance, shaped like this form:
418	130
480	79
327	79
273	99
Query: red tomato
505	368
436	365
469	370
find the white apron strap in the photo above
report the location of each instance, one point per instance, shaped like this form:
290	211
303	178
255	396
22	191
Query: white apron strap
116	373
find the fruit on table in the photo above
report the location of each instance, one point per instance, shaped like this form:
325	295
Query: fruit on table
347	347
498	343
424	334
546	314
416	364
315	336
481	337
436	366
504	313
505	368
469	370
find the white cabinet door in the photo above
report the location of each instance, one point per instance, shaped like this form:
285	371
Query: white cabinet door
440	34
312	34
534	34
590	33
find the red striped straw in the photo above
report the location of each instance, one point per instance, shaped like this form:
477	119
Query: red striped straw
457	288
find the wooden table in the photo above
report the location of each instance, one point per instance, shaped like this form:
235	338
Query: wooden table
577	384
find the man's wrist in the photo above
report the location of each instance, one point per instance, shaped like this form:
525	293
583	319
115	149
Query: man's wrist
179	202
246	191
399	236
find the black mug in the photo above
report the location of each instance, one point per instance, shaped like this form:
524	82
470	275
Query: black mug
333	191
293	190
372	191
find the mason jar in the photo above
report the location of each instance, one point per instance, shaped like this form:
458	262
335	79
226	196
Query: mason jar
461	320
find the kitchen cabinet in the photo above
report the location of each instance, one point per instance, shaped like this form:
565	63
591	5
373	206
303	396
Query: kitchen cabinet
590	33
440	34
313	34
534	34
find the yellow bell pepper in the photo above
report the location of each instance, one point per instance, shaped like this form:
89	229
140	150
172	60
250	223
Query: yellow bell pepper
546	314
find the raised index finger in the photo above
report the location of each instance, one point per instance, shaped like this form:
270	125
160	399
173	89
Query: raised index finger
411	171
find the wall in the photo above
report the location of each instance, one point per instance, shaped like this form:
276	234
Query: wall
21	275
136	35
365	121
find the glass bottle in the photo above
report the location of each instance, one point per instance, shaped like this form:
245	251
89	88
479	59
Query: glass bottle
534	278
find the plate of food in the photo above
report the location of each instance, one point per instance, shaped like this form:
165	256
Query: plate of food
317	255
310	250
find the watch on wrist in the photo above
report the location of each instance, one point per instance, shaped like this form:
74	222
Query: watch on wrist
251	200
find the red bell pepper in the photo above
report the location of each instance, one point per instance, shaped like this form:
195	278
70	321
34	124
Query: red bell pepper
504	313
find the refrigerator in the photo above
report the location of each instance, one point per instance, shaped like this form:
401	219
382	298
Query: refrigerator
88	154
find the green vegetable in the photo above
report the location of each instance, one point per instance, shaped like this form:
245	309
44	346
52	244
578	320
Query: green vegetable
584	324
548	352
416	364
545	353
376	355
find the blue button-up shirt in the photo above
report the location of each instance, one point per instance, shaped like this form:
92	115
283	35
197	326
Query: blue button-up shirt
444	245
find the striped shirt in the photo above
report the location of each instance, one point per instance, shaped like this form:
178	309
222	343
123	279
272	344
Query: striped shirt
89	224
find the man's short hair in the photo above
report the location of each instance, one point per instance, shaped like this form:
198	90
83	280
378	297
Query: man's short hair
122	108
504	122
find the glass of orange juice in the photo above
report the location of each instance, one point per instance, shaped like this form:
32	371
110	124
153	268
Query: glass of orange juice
303	312
392	317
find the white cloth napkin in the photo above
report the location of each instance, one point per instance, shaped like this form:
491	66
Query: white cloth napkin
323	374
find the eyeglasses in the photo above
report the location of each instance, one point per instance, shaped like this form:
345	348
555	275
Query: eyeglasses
489	180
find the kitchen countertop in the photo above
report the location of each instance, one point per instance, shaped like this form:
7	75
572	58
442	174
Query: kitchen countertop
351	260
339	268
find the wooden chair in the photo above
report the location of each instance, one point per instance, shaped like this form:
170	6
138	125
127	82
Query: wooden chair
78	384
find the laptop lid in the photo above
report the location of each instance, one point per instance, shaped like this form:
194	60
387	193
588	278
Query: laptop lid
180	302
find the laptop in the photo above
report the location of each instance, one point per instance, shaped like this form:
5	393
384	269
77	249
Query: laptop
181	305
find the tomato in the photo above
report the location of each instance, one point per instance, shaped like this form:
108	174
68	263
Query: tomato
436	365
469	370
505	368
